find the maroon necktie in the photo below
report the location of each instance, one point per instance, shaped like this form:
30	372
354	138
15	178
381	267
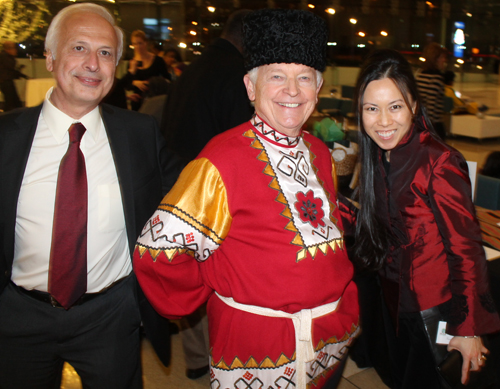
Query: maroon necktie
68	254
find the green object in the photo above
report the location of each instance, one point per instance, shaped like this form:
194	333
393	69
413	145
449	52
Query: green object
328	130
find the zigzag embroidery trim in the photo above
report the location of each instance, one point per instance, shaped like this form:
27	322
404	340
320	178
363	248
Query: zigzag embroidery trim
169	253
287	213
268	363
273	134
179	213
333	244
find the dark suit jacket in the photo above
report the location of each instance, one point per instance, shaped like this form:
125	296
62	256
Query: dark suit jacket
143	167
208	98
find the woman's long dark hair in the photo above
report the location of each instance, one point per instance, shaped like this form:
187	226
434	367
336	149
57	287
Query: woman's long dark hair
372	237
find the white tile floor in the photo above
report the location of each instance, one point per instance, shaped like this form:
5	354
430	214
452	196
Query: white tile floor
156	376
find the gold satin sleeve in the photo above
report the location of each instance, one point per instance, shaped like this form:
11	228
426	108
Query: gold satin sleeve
199	198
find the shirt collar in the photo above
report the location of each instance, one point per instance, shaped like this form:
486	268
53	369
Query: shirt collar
59	123
407	137
273	135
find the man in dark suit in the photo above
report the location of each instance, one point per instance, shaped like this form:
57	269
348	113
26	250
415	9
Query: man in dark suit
209	97
125	168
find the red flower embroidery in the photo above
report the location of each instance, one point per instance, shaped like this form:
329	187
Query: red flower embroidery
310	209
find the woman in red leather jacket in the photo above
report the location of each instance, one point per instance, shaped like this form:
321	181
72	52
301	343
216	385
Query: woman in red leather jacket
417	227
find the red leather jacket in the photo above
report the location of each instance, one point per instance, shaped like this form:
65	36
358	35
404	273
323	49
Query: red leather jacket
437	256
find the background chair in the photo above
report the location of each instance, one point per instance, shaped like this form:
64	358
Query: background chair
488	192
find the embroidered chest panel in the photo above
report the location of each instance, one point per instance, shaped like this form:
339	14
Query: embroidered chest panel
307	205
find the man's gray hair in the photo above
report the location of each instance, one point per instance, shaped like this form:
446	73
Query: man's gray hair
253	73
54	31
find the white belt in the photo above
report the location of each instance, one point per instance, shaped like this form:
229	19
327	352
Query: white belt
302	322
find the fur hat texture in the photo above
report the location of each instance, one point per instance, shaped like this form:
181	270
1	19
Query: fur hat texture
284	36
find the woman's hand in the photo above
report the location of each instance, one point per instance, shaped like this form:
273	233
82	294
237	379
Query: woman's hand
142	85
132	66
472	351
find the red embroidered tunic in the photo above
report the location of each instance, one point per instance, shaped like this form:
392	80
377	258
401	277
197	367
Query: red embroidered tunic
255	218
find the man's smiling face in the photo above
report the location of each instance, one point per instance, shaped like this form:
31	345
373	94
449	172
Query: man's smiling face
84	64
285	95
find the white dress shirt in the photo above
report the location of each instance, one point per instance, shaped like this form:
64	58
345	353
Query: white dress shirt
108	256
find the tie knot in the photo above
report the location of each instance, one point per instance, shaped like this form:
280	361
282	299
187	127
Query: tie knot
76	132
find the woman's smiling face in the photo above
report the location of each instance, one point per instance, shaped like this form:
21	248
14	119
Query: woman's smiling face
386	117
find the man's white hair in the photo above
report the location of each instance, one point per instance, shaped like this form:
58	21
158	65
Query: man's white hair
253	73
54	31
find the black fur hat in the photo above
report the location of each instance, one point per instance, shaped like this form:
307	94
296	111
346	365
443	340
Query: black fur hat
284	36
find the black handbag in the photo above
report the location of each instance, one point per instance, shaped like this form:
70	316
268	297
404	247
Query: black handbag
451	368
448	364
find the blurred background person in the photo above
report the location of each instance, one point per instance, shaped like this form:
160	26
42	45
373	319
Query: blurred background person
210	96
460	104
174	63
141	68
8	73
431	85
417	227
207	99
154	99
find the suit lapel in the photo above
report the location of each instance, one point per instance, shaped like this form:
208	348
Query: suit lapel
15	147
117	133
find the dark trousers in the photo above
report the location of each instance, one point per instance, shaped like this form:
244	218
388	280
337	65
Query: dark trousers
10	96
370	348
194	335
99	338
